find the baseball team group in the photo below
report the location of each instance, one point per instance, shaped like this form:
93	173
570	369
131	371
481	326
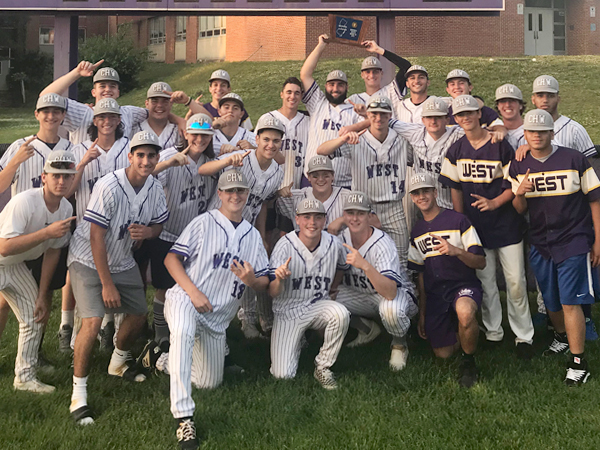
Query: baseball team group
373	211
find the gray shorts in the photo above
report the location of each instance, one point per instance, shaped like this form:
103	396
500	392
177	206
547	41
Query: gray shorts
87	289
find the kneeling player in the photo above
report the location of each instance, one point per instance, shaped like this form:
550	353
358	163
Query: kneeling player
446	250
300	287
212	262
376	284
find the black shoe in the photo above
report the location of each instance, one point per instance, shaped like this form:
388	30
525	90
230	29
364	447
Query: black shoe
149	356
468	374
558	346
64	338
106	337
524	351
577	372
44	366
186	434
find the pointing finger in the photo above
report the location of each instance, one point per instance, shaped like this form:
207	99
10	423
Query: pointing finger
360	133
527	174
31	139
352	249
478	197
98	64
439	238
185	150
287	263
246	154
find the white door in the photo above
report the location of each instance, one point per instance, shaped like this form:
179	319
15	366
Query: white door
539	31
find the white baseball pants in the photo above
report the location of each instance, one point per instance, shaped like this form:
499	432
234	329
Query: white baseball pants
393	222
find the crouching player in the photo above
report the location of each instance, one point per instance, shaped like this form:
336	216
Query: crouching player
376	284
446	251
561	191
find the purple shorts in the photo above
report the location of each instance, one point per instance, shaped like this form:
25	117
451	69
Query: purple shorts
441	322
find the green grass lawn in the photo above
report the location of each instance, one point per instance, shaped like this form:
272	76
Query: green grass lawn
516	405
259	84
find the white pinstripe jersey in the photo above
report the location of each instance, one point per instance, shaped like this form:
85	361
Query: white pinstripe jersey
571	134
379	168
167	138
187	193
263	185
379	251
79	118
428	153
295	141
390	91
114	206
334	205
407	111
29	173
241	134
113	159
209	244
312	272
516	137
325	123
27	213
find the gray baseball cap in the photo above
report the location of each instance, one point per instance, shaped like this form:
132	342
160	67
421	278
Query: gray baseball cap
420	181
509	91
337	75
231	97
145	138
220	75
58	158
231	179
380	103
545	83
106	106
458	73
106	74
199	124
464	103
51	101
370	62
309	205
434	106
357	201
158	90
416	68
318	163
268	122
538	120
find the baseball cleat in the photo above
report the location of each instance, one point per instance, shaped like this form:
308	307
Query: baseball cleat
364	338
558	346
577	372
149	355
524	351
129	371
64	338
398	357
249	329
326	378
186	434
83	415
34	385
468	374
106	336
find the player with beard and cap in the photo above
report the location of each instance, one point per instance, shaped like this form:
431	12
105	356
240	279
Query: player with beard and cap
328	110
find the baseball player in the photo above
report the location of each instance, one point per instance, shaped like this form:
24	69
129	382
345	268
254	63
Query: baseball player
305	270
410	108
474	169
230	136
328	110
159	104
126	207
561	191
378	167
446	251
375	285
510	105
35	222
214	259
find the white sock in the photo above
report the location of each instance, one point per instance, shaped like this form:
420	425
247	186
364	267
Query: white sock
67	318
119	357
108	317
79	396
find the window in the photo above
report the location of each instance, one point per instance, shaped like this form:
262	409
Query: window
157	27
211	26
47	36
181	28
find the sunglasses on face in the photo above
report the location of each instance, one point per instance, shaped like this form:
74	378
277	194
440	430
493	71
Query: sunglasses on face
62	165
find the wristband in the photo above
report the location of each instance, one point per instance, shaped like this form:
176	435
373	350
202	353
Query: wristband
188	102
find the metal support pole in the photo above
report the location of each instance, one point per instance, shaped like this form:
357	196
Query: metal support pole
65	47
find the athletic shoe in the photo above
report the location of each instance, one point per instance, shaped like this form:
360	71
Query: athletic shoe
83	415
249	329
326	378
558	346
186	434
64	338
149	355
44	366
364	338
33	385
106	336
398	358
468	374
129	371
524	351
590	330
577	372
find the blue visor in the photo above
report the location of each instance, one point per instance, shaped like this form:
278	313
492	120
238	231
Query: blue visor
200	126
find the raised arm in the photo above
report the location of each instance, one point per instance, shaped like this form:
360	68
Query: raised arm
402	64
20	244
308	68
61	85
328	147
214	167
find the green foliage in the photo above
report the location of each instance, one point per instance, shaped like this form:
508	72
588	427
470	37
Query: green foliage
35	69
118	52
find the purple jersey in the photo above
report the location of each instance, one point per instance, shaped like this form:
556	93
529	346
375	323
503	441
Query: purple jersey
215	112
559	210
481	172
444	273
488	115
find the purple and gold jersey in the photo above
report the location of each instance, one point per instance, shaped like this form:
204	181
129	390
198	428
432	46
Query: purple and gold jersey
559	212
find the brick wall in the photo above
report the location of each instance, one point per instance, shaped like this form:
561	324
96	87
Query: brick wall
281	38
191	40
580	39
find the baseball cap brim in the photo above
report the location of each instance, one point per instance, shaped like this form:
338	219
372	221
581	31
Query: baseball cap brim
159	94
356	207
416	71
229	99
320	169
382	110
54	170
